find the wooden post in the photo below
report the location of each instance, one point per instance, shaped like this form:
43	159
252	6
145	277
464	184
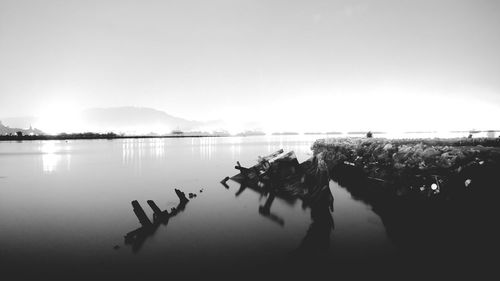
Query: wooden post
155	208
225	185
182	196
242	169
141	215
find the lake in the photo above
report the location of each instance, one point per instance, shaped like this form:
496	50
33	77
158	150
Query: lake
65	207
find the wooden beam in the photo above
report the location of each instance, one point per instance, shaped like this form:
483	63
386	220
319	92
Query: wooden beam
141	215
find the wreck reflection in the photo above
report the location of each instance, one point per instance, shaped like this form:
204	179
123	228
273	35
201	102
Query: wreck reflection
266	210
280	175
317	240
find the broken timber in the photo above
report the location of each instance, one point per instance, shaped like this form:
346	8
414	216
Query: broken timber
141	215
281	175
138	236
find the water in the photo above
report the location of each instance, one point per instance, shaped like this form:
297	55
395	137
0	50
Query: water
64	205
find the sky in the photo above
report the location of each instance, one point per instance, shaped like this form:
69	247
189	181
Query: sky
291	65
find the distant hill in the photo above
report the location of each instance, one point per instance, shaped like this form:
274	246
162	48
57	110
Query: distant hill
128	120
285	133
19	122
251	133
135	119
5	130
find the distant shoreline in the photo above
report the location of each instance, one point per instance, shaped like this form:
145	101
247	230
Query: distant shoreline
111	136
103	137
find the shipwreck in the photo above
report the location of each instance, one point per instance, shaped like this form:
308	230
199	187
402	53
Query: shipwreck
281	175
148	227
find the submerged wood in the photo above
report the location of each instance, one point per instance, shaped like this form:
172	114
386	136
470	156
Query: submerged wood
137	237
181	195
156	210
141	215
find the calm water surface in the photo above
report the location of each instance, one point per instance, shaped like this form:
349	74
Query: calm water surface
66	204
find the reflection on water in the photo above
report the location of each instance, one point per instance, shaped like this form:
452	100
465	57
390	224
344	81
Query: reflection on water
308	182
50	161
207	147
134	150
54	156
236	148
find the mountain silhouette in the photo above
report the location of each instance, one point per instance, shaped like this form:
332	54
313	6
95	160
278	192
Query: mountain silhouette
125	119
135	119
6	130
20	121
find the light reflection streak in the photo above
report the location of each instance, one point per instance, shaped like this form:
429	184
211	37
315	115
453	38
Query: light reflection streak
50	161
135	150
52	155
236	147
207	147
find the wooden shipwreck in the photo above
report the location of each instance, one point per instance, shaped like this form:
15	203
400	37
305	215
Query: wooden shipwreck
280	174
137	237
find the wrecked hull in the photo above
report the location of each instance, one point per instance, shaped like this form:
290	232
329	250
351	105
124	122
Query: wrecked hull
282	175
137	237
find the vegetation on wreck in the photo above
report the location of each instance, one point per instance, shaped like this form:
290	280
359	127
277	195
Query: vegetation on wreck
443	168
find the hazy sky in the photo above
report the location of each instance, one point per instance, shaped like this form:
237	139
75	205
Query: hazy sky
349	64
